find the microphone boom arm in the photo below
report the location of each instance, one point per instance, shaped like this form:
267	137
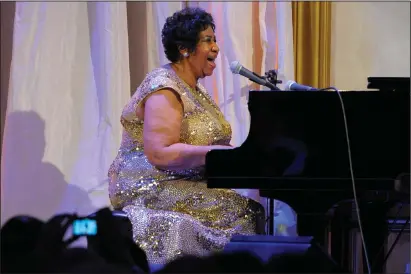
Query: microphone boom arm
271	77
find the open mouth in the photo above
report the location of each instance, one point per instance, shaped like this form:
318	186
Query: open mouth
211	61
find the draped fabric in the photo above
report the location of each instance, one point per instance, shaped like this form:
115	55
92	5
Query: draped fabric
312	42
73	68
256	44
7	10
74	65
69	80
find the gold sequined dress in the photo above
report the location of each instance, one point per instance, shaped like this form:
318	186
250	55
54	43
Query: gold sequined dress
174	213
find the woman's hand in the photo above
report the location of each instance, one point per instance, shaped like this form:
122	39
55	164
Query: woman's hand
222	147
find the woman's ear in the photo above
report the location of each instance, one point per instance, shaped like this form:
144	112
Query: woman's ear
185	51
182	50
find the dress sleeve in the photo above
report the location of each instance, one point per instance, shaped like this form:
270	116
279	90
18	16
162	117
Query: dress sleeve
151	84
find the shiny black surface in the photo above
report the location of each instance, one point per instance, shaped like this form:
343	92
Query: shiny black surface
309	168
309	130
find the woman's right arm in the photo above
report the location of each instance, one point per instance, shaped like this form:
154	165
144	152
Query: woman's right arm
163	114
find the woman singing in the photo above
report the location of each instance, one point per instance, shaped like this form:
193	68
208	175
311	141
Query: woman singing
169	125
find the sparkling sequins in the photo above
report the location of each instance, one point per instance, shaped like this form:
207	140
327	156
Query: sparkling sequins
173	212
188	218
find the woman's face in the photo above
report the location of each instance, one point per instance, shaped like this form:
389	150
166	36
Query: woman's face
202	60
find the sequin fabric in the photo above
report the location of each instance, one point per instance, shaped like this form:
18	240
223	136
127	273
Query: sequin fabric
173	212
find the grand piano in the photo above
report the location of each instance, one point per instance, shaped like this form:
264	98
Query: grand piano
311	149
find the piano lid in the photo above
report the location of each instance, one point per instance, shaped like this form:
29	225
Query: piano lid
302	135
389	83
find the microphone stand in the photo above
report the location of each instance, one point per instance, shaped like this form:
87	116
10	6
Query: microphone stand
271	76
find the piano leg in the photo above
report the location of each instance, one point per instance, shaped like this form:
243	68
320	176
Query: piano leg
338	233
271	217
375	228
312	225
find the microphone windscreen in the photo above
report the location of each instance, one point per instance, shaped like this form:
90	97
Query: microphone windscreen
288	84
235	67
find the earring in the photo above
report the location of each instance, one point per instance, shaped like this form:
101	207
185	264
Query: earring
185	54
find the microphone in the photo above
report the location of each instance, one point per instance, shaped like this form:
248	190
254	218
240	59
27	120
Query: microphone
237	68
292	85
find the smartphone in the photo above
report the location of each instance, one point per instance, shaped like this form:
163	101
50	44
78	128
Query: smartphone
85	227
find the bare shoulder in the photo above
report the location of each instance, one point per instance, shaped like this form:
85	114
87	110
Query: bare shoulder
163	99
158	82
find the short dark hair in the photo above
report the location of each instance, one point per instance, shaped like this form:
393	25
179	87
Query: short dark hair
182	29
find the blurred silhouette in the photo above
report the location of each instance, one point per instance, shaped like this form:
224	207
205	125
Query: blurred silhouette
114	241
19	237
30	245
188	264
81	260
239	262
313	261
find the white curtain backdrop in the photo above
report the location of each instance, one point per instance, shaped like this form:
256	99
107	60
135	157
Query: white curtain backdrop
69	81
157	13
279	40
234	31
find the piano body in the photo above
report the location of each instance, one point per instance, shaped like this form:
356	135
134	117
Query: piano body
297	152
